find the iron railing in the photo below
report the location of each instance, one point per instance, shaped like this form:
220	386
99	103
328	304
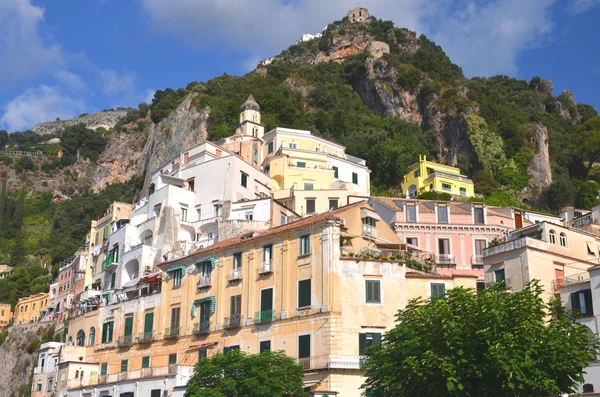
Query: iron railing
477	260
202	328
446	259
125	340
266	267
235	274
204	282
232	322
503	283
172	332
264	316
369	231
145	337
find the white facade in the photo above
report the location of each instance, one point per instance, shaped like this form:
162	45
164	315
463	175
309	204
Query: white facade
307	37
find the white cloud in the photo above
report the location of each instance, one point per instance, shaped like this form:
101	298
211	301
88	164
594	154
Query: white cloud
484	37
71	80
579	6
38	105
24	54
149	95
114	83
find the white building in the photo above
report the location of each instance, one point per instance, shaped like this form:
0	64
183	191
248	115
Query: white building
308	37
44	373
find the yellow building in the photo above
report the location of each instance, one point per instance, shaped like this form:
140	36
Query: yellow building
306	287
28	309
427	176
5	314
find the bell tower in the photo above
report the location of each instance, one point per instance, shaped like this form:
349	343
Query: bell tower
250	123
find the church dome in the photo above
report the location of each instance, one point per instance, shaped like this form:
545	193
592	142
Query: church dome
250	104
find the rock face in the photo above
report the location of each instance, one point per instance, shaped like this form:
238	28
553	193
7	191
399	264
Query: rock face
540	175
184	128
91	121
567	107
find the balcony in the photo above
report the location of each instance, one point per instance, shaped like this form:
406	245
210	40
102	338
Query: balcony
369	231
331	362
232	322
202	328
180	372
126	340
503	283
570	280
110	262
263	317
145	337
172	332
446	260
477	261
123	376
266	267
235	274
204	282
512	245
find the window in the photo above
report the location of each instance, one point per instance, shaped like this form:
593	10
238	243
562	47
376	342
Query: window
499	276
235	309
372	291
442	214
412	241
39	386
156	393
282	219
304	293
437	290
310	206
230	348
443	246
33	307
305	245
267	253
366	340
43	362
303	346
447	187
107	331
204	268
175	315
293	145
333	204
270	147
103	369
172	358
336	172
317	149
177	275
478	215
308	186
417	174
202	354
124	364
183	214
148	324
157	208
128	331
355	178
411	213
249	216
191	185
199	213
216	210
237	260
265	345
244	181
146	362
563	240
588	388
463	191
49	384
552	237
301	164
80	341
581	301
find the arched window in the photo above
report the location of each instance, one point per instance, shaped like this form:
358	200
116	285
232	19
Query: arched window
81	374
76	374
588	388
39	386
563	240
552	237
80	338
92	337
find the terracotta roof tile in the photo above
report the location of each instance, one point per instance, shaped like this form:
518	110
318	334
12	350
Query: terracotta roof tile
311	220
455	209
423	209
491	212
388	202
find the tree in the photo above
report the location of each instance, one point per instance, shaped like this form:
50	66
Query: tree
588	143
492	344
269	374
19	214
488	145
2	204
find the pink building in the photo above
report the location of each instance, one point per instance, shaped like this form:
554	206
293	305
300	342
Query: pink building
449	235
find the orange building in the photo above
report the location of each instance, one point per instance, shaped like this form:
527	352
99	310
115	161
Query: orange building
28	308
5	314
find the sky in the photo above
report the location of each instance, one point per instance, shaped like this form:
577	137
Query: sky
63	58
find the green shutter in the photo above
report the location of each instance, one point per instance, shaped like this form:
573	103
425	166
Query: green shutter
128	326
376	339
149	322
103	369
156	393
146	362
173	358
362	343
213	304
335	172
304	346
124	364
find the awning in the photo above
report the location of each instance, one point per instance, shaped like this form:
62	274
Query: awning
364	213
212	261
211	299
151	278
202	346
175	268
591	248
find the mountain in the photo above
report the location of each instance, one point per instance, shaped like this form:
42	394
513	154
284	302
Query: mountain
384	92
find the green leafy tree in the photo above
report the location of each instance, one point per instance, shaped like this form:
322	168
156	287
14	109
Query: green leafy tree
2	205
558	194
493	344
78	139
17	255
588	143
587	195
269	374
19	214
487	144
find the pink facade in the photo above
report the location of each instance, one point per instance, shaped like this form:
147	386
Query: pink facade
449	235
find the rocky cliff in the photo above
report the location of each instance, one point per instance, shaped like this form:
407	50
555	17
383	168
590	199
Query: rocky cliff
105	120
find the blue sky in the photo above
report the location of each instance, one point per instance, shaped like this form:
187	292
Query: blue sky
63	58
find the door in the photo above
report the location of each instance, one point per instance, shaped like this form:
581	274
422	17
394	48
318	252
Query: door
559	276
235	311
266	305
128	328
204	316
175	319
518	220
148	323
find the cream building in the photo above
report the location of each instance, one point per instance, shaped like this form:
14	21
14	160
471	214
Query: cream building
6	315
28	309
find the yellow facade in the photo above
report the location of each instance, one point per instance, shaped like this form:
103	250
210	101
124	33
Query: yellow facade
28	309
427	176
5	314
294	291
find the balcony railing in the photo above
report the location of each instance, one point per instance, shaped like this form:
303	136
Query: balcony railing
145	337
264	316
266	267
108	262
232	322
477	260
369	231
503	283
123	376
202	328
572	279
125	340
235	274
446	259
331	362
204	282
172	332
